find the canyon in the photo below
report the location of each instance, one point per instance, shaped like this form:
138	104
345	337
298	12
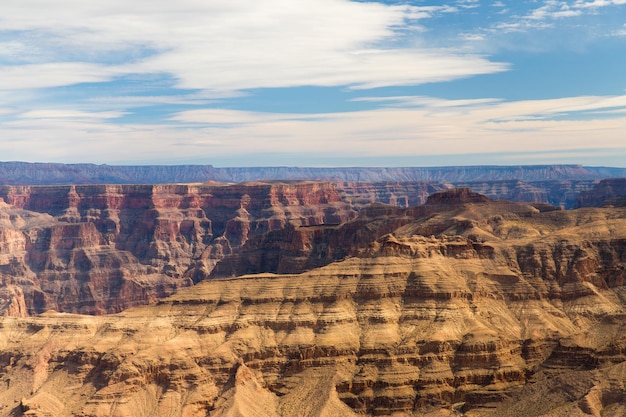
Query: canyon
305	298
558	185
103	248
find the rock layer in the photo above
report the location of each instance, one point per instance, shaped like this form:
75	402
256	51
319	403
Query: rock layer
462	306
100	249
611	192
23	173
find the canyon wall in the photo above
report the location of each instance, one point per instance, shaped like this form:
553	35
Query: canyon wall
100	249
610	192
560	193
461	306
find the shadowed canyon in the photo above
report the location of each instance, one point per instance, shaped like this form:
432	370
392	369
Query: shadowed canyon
311	299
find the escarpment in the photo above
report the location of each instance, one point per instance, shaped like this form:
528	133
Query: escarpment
462	306
103	248
608	192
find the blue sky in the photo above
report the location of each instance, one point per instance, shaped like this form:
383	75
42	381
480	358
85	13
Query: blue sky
313	82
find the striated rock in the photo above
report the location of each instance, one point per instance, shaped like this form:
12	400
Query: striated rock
402	194
103	248
560	193
555	184
462	306
610	192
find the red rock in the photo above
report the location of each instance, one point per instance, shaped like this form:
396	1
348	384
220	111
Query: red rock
109	247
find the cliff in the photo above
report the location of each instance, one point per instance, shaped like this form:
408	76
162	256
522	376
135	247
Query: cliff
606	192
101	249
462	306
525	173
403	186
560	193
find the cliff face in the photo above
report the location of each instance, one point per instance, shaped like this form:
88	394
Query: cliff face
559	193
555	184
463	306
610	192
100	249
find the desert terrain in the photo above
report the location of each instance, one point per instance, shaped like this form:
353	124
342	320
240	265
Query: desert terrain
463	306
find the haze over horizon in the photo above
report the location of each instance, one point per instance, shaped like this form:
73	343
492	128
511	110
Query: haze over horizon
314	82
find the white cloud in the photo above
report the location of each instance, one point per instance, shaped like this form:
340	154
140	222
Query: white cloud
620	32
473	37
468	4
553	9
69	114
408	126
16	77
217	45
423	125
597	3
551	14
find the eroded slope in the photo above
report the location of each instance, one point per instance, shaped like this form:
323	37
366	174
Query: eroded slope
462	306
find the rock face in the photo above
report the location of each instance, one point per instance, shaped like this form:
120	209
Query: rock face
462	306
100	249
554	184
560	193
610	192
97	249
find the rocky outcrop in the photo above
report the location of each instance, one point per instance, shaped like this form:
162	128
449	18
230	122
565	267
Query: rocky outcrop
558	193
610	192
462	306
100	249
402	194
302	248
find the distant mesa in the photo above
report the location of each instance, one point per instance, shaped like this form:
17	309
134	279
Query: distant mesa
25	173
457	196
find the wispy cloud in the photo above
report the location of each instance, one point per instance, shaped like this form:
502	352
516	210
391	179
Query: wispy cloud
417	125
553	9
54	74
468	4
548	15
214	45
581	4
620	32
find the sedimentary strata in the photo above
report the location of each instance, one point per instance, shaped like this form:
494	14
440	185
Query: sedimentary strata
102	248
462	306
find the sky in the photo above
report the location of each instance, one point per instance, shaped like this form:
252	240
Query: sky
313	82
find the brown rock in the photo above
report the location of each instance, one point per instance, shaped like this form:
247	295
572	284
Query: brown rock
464	305
102	248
